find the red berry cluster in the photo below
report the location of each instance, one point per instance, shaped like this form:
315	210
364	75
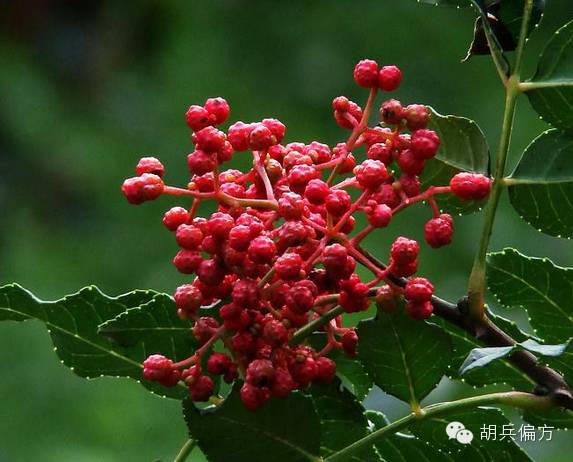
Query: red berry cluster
277	260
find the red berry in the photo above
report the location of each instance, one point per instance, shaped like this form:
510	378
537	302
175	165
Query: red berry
288	266
254	397
204	329
157	368
200	162
419	311
197	118
438	231
261	137
405	269
386	194
380	216
371	174
189	237
417	116
276	127
470	186
260	373
300	176
338	202
210	272
187	261
392	112
349	342
175	217
218	110
304	371
245	293
240	237
404	250
291	206
262	250
243	342
341	104
139	189
366	73
409	163
424	143
150	165
325	370
283	383
218	363
389	78
210	140
275	333
381	152
202	388
410	184
238	135
316	191
220	225
419	290
300	297
188	300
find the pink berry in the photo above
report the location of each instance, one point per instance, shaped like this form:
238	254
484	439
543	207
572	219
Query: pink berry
139	189
366	73
218	363
187	261
392	112
419	290
338	202
404	250
419	311
380	216
438	231
150	165
325	370
288	266
389	78
470	186
371	173
218	110
197	118
200	162
188	300
316	191
189	237
202	388
424	143
210	140
262	250
175	217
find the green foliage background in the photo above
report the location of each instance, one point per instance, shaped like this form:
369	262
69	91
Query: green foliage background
87	90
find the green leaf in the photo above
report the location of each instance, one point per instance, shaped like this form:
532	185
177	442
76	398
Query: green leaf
433	432
536	284
551	89
406	358
73	326
463	148
480	357
541	187
286	430
156	326
557	418
510	13
400	447
495	373
342	421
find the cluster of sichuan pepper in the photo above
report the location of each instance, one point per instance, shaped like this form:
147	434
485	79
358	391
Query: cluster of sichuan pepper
277	260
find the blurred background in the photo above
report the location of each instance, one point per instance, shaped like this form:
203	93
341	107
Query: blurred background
87	88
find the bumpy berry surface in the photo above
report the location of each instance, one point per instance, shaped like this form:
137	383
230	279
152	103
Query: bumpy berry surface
282	246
